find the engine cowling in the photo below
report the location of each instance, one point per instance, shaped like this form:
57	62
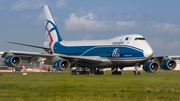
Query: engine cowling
12	61
62	64
168	64
151	67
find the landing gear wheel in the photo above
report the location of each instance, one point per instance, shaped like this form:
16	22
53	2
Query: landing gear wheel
102	73
138	73
98	72
116	73
86	73
73	72
134	72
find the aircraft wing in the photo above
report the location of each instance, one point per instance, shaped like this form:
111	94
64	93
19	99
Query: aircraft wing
174	57
32	56
161	58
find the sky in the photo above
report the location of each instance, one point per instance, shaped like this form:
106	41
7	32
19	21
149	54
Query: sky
157	20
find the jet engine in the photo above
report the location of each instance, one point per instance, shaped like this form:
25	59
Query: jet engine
151	67
168	64
12	61
62	64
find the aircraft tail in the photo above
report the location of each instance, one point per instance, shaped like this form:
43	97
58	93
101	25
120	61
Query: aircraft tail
24	68
52	33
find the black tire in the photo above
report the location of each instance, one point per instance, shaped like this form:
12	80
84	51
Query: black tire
134	72
86	72
73	73
139	73
78	72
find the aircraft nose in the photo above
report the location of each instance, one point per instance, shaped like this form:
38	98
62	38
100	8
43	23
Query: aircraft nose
148	52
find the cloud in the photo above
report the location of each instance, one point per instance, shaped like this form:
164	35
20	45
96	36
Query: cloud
160	44
136	23
27	16
1	7
157	43
173	45
55	18
125	24
61	3
2	4
167	27
39	19
23	5
88	37
87	22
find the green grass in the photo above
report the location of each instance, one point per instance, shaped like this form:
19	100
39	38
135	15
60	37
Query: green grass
61	86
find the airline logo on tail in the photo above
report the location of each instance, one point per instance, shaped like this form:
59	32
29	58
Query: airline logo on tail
52	32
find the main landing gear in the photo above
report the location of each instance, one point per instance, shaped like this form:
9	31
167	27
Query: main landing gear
86	72
76	72
98	72
116	72
136	72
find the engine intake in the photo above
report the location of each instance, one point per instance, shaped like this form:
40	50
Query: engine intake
62	65
12	61
151	67
168	64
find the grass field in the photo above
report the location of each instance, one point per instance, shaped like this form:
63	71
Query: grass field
61	86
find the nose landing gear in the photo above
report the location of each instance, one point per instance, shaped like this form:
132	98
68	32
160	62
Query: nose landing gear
136	72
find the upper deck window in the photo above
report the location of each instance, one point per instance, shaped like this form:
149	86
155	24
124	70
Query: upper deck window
139	38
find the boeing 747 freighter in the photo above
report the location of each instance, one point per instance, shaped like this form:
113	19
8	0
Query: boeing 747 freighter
116	53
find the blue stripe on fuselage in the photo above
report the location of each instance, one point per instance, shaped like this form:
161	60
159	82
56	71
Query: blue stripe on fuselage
125	51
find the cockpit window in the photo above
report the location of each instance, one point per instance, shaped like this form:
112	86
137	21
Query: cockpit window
139	38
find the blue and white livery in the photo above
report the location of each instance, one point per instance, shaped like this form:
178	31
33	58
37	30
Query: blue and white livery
116	53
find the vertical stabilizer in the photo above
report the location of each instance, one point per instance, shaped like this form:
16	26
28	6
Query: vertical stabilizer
24	68
52	33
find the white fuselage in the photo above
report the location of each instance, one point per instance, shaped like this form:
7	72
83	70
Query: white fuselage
126	50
